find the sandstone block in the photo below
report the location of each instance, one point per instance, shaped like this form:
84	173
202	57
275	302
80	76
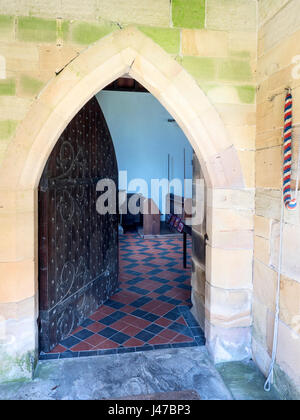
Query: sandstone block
189	14
227	345
228	308
229	269
233	15
262	226
204	43
290	303
265	284
262	249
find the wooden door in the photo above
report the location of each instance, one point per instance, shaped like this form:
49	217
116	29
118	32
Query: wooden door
78	248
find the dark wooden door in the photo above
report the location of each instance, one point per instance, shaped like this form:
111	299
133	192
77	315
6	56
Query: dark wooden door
78	248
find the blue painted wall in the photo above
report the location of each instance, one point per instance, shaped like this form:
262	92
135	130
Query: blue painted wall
143	137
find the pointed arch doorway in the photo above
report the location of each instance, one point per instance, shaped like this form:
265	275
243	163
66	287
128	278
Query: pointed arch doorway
228	295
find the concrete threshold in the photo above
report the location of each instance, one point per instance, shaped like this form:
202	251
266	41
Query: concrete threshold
173	373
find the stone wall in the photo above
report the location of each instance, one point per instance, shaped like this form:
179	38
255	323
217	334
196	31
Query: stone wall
278	68
39	38
216	42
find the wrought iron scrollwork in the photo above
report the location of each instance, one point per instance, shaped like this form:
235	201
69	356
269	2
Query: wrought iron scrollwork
78	250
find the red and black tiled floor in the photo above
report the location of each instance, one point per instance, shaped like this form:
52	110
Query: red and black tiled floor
149	311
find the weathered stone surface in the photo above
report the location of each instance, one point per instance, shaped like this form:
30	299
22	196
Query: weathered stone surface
261	356
262	226
290	303
231	15
44	8
243	137
237	199
123	375
17	310
20	56
267	139
268	8
30	86
225	69
228	308
189	14
282	24
168	39
243	43
262	249
143	12
265	283
246	94
230	94
260	322
198	278
288	353
222	220
237	114
6	27
232	240
33	29
53	58
7	87
198	309
223	271
147	12
228	163
201	68
17	349
234	70
222	94
231	220
246	382
226	345
284	56
268	168
204	43
287	387
290	250
268	203
88	33
16	281
7	129
75	9
13	108
247	161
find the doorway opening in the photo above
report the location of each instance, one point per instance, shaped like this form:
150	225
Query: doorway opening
224	292
86	309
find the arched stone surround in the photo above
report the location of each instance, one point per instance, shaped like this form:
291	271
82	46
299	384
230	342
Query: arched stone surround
230	204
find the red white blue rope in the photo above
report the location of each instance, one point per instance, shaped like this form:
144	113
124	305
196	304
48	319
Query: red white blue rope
289	204
287	165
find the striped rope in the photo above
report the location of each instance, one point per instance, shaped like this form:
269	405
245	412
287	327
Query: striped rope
287	165
289	204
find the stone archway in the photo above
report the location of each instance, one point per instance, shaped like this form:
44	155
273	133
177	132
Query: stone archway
228	289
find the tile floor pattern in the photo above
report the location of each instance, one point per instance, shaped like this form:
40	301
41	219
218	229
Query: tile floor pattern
149	311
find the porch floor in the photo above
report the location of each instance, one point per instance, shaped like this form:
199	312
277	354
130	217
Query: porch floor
135	375
151	309
122	375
